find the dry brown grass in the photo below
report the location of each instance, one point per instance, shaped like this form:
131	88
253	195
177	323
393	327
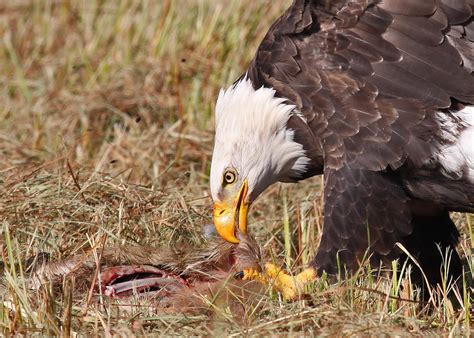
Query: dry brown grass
106	127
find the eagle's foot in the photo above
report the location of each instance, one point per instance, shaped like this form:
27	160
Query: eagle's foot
290	287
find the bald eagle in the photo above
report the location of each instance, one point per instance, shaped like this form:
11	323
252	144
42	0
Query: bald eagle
377	95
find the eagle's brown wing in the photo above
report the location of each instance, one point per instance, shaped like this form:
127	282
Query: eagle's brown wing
361	207
369	77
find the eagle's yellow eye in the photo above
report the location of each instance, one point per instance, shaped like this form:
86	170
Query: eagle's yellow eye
229	176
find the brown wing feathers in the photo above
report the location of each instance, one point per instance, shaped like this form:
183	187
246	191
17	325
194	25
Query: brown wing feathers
369	76
349	224
393	50
381	55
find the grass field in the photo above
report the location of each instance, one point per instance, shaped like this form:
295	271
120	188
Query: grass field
106	134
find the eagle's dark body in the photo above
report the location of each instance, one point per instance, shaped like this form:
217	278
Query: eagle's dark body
370	77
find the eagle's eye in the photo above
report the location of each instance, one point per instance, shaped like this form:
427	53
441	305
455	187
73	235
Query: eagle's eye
230	176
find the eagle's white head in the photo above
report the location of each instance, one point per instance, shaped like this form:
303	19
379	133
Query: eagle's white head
253	149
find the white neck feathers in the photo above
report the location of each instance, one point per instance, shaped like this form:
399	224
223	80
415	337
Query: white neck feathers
251	135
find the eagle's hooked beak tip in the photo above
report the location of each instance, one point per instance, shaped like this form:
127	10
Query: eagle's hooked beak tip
228	216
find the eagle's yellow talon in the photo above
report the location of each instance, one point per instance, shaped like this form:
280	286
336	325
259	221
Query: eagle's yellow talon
251	274
289	286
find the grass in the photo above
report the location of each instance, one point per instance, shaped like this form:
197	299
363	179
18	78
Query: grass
106	130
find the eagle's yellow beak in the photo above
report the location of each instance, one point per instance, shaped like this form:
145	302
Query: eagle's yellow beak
228	213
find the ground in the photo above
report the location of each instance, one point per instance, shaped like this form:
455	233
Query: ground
106	133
